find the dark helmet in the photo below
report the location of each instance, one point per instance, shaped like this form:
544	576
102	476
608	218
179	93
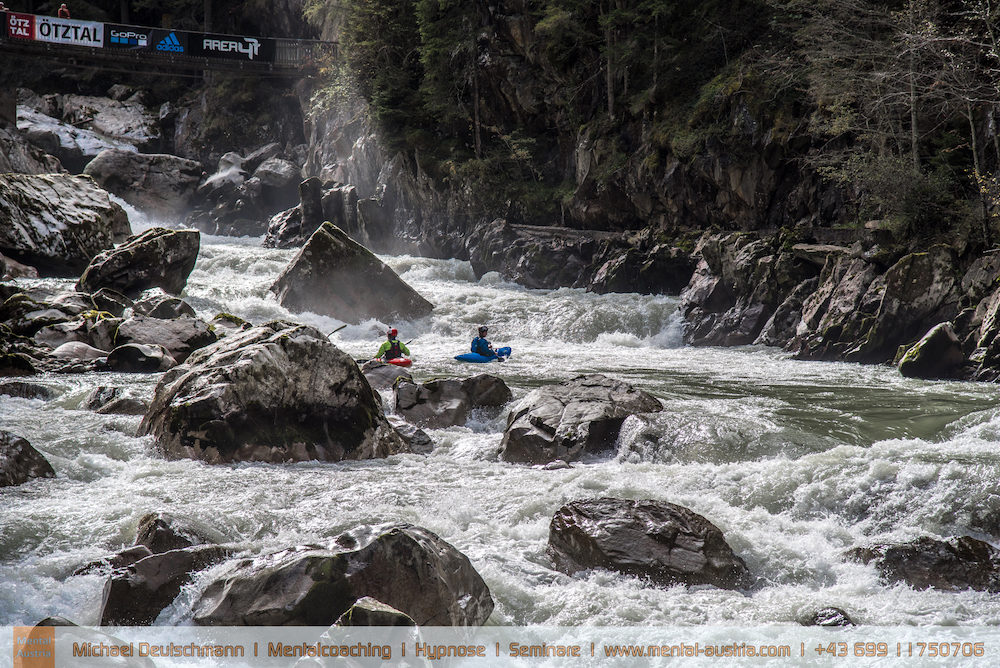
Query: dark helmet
392	332
483	329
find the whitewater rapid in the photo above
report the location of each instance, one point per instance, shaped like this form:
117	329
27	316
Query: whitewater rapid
796	462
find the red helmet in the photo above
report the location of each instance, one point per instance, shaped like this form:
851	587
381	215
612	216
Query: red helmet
392	332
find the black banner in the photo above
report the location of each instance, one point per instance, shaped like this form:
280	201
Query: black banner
233	47
132	38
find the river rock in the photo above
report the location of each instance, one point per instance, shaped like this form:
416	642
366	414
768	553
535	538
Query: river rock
155	303
24	390
126	121
369	612
159	185
162	532
56	223
277	392
179	337
661	270
318	202
961	562
938	354
831	617
10	269
27	313
77	350
655	540
443	403
136	594
383	376
113	401
140	358
123	559
111	301
156	258
19	462
406	567
335	276
571	419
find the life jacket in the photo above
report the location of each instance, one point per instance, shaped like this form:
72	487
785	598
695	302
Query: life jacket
394	350
481	346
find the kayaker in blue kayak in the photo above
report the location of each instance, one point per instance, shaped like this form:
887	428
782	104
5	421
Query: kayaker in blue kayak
392	348
483	347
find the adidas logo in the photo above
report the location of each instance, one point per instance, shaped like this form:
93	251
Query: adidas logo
170	43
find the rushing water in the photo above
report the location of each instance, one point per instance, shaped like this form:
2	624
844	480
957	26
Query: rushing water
796	462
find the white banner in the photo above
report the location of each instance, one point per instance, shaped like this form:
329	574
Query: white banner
67	31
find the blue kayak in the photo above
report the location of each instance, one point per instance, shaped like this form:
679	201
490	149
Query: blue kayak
476	357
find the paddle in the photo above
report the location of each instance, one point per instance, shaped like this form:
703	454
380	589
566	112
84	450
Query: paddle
336	330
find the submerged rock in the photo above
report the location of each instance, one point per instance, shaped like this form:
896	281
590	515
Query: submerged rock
277	392
56	223
405	567
335	276
662	542
571	419
961	562
19	462
156	258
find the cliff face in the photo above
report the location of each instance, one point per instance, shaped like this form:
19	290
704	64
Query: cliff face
604	176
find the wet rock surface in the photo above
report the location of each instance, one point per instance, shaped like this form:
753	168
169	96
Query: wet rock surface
659	541
569	420
19	462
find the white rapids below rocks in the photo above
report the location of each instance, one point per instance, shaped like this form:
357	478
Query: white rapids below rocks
795	461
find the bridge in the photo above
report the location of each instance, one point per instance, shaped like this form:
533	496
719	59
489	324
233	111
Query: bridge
126	48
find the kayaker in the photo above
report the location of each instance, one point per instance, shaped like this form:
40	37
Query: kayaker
483	347
392	348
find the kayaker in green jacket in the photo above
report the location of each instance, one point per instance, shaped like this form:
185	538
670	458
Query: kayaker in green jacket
392	347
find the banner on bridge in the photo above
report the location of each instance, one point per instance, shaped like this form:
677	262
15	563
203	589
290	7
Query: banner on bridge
233	47
68	31
132	38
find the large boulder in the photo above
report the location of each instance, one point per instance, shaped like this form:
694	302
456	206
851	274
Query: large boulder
162	532
318	202
156	258
938	354
659	541
335	276
73	146
566	421
406	567
160	185
955	564
277	392
19	462
179	337
140	358
447	402
18	156
56	223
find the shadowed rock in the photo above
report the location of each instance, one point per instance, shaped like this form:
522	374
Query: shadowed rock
937	355
955	564
335	276
158	184
443	403
663	542
19	462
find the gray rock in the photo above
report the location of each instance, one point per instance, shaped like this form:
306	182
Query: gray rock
55	223
829	617
27	390
113	401
19	462
277	392
160	185
71	634
156	258
659	541
111	301
369	612
566	421
335	276
384	376
405	567
76	350
443	403
179	337
74	147
162	532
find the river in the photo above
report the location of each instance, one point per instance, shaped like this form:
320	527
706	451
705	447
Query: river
795	461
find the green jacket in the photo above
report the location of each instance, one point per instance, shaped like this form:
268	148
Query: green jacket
388	345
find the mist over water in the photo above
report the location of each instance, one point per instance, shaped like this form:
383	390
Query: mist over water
797	462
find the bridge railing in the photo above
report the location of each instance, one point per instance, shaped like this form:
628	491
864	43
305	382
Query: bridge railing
31	32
